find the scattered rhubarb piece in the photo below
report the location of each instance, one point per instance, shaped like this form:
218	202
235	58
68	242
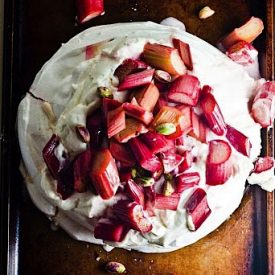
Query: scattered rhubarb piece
162	76
125	175
115	121
109	104
65	182
144	156
110	230
162	101
167	115
147	97
242	53
122	153
167	202
263	164
188	159
82	165
247	32
150	200
135	192
219	166
199	128
185	53
197	209
238	140
185	89
170	161
186	121
137	112
212	113
164	58
136	80
88	9
133	129
104	174
132	214
263	107
129	66
55	162
186	180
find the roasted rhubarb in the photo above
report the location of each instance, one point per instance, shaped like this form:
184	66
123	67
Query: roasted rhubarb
167	202
65	181
167	115
185	53
115	121
186	180
185	89
219	166
132	215
164	58
137	112
135	192
88	9
238	140
136	80
104	174
188	159
149	200
197	209
170	161
263	164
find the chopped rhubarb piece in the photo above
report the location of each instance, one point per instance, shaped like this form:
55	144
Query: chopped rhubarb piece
129	66
109	104
197	209
199	128
185	53
213	114
162	76
238	140
187	180
136	80
88	9
137	112
149	200
167	115
132	214
104	174
263	107
144	156
164	58
147	97
92	50
242	53
186	121
82	165
156	175
65	181
125	175
162	101
133	129
170	161
185	89
122	153
115	121
135	192
219	166
110	230
54	161
167	202
188	159
263	164
247	32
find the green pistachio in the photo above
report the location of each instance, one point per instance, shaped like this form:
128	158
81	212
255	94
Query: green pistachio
115	267
104	92
166	128
145	181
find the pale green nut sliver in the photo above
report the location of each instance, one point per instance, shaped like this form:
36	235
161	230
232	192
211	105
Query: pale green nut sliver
166	128
115	267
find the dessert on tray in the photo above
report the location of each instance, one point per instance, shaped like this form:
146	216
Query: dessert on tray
142	136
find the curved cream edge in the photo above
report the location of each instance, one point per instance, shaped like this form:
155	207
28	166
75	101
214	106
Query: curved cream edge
232	88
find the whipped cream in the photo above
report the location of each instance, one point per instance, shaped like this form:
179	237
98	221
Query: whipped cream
69	83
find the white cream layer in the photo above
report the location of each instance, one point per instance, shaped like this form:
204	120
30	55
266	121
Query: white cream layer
69	83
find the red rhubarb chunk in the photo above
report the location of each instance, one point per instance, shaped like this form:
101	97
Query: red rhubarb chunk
129	66
219	166
110	230
149	200
238	140
108	105
185	89
170	161
263	107
88	9
187	180
132	215
197	209
125	175
135	192
157	143
54	161
104	174
122	153
137	112
144	156
115	122
199	129
82	165
188	159
212	113
136	80
147	97
263	164
186	121
65	182
185	53
167	202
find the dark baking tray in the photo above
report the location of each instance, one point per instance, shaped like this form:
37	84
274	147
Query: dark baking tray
34	30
